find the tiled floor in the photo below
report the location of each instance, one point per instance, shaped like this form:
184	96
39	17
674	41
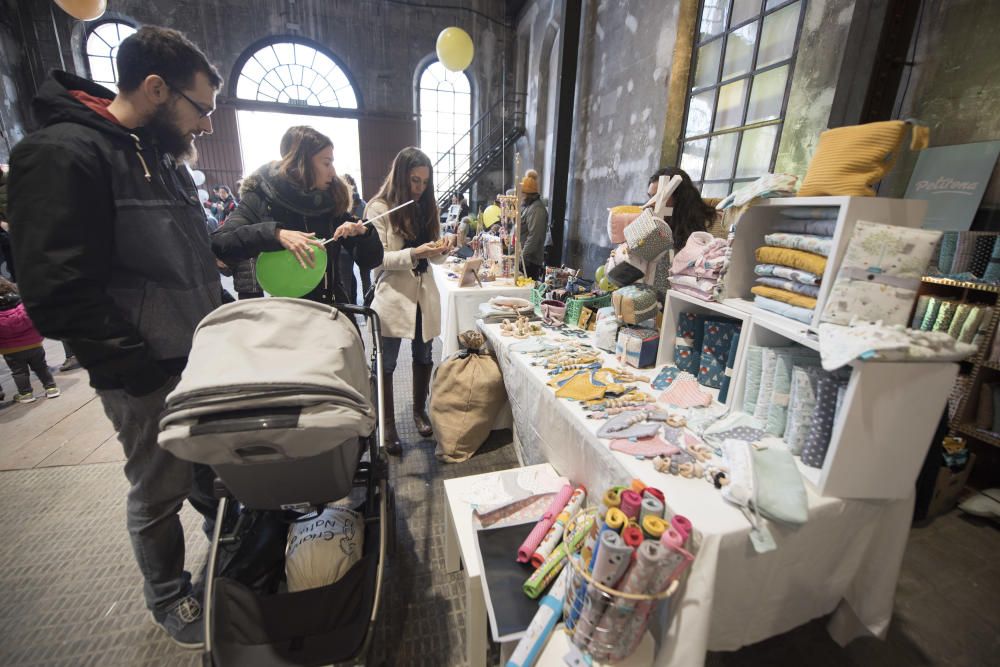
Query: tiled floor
72	595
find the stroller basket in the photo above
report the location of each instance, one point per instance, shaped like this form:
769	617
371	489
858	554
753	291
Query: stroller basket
275	397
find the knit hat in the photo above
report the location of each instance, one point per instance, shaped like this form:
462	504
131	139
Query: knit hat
529	184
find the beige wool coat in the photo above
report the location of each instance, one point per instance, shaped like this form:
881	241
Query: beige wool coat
399	289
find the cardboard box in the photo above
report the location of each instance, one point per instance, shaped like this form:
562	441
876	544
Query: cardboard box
948	488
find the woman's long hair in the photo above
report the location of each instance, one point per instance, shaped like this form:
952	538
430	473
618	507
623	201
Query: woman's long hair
691	213
396	190
298	146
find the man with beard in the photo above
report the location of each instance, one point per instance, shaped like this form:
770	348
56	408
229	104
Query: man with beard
114	258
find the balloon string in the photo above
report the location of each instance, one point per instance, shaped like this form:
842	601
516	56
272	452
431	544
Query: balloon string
368	223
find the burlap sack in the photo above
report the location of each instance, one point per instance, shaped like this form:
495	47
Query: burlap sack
467	394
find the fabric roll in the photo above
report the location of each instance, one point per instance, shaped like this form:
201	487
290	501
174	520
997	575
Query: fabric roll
802	402
777	412
981	254
945	315
716	341
651	506
763	404
631	504
930	315
984	325
919	311
672	538
632	536
824	414
653	527
611	559
576	501
542	527
963	252
549	570
682	525
550	541
655	492
992	273
615	519
730	368
949	243
971	324
612	498
754	370
791	298
961	315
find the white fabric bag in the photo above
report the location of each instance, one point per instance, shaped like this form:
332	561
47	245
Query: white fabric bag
321	551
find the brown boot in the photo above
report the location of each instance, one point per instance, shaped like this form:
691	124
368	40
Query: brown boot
421	387
391	437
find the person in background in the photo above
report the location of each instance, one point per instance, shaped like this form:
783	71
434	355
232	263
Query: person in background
296	203
691	213
347	263
224	205
125	284
406	296
71	362
6	256
533	226
21	346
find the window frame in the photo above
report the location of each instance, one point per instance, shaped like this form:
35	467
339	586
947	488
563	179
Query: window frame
92	28
749	75
421	71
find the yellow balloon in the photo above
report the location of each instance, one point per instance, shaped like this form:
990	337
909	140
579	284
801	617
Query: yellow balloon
85	10
454	49
491	215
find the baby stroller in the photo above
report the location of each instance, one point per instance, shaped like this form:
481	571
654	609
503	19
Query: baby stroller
277	399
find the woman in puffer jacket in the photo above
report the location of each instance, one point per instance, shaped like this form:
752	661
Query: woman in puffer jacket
296	203
21	346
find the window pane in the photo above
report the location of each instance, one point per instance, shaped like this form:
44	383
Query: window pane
755	152
715	190
700	113
771	4
693	158
729	110
707	71
721	155
778	36
767	94
100	70
739	51
743	10
713	17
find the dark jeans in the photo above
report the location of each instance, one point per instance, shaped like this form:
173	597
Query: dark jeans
34	359
422	352
345	266
536	271
159	484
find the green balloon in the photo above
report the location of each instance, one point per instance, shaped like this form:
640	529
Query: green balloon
599	273
280	273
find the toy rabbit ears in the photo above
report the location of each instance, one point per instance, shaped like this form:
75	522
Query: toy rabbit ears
664	188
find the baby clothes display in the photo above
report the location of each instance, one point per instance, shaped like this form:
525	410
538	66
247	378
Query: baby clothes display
696	268
880	274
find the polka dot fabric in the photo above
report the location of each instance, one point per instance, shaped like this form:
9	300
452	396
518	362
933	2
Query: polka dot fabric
824	413
981	254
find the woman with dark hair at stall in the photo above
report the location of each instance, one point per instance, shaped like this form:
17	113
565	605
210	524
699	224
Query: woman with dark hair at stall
691	213
296	203
406	296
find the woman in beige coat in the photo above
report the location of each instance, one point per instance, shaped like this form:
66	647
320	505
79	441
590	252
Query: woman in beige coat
406	297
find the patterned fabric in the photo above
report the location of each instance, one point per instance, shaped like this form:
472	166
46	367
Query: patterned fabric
824	413
971	325
787	273
730	364
841	345
983	330
696	293
949	243
702	256
645	447
751	389
736	426
816	227
716	341
767	186
703	284
829	213
801	402
961	315
945	315
930	315
796	259
768	364
777	413
880	274
684	392
963	252
919	311
820	245
687	344
804	315
992	274
981	254
663	379
784	296
789	286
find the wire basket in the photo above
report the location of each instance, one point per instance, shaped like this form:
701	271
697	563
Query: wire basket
575	305
604	623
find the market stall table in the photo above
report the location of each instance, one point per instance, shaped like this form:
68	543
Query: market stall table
845	559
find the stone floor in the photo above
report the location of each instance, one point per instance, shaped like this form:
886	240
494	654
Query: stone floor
72	595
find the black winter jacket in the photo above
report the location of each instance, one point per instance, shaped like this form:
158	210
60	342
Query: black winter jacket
269	202
110	240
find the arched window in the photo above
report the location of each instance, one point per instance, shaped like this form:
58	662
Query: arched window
102	49
295	73
445	108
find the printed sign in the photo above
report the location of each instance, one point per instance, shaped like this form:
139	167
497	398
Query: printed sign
952	179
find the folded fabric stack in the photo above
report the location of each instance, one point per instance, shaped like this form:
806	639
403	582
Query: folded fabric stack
965	322
973	256
791	263
705	346
793	398
697	268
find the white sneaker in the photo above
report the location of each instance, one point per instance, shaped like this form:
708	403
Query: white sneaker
26	397
52	392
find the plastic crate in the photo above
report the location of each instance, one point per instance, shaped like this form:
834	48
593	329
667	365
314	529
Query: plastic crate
574	306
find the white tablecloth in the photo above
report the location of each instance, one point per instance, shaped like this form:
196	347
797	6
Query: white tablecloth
460	305
846	558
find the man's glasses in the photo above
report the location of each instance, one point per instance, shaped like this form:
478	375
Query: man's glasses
202	112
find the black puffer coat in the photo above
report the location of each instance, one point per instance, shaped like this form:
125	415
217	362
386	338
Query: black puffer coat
270	202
